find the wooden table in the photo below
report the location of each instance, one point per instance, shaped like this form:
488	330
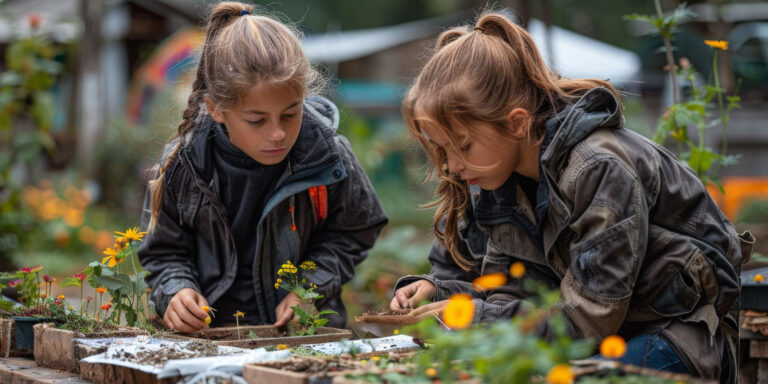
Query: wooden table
22	370
753	367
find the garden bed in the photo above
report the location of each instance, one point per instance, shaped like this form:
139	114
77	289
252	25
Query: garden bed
57	348
267	335
144	363
398	318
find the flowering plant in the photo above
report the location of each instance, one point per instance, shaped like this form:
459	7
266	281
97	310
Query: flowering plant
27	282
290	279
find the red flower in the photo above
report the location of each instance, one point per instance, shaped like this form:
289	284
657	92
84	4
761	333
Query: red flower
15	283
34	19
89	299
25	269
80	276
57	302
106	307
46	278
36	268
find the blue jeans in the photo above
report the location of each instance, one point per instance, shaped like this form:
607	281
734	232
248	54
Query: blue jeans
652	351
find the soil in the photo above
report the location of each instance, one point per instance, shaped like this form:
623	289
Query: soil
158	357
308	365
387	316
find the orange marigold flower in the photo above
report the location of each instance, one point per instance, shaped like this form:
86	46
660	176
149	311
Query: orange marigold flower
517	270
719	44
459	311
489	281
61	297
101	289
560	374
281	347
43	295
431	372
106	307
111	259
759	278
613	347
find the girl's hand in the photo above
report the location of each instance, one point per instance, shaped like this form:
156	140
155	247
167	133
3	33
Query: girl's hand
284	312
428	310
184	313
412	294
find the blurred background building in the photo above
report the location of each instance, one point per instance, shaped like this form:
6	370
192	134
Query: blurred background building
121	71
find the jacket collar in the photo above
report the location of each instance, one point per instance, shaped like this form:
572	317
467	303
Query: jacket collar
314	147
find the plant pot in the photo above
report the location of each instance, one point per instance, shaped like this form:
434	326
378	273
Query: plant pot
268	335
296	370
25	334
7	338
57	348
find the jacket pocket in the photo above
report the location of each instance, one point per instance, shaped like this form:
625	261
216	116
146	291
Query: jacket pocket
747	244
679	296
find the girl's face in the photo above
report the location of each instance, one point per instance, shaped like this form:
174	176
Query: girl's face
485	163
266	124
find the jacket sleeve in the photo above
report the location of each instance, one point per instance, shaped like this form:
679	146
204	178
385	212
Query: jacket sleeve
166	252
355	219
609	226
445	274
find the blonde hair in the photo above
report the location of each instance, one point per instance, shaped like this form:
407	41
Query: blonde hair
481	73
240	50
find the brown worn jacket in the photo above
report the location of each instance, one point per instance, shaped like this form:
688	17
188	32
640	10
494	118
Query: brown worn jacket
628	234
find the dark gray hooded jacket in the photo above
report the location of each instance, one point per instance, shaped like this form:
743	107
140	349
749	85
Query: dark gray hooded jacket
192	245
627	233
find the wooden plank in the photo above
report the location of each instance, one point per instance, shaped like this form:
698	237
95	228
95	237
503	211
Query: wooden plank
758	349
19	370
111	374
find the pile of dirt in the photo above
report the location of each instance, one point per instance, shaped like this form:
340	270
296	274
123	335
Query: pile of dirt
158	357
387	316
308	365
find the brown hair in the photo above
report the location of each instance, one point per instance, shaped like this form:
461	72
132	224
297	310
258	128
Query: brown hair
481	73
240	50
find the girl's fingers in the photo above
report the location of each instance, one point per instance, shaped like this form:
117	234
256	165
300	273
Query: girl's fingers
394	305
284	318
192	303
177	324
188	318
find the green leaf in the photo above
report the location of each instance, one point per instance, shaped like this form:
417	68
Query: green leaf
253	335
113	283
70	281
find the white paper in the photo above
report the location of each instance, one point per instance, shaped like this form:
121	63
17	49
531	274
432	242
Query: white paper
381	344
132	345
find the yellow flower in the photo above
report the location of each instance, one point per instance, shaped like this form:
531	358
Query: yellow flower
277	285
279	281
132	234
375	358
459	311
431	372
489	281
205	308
719	44
759	278
560	374
208	320
239	314
363	361
517	270
397	332
613	347
111	257
281	347
308	265
61	297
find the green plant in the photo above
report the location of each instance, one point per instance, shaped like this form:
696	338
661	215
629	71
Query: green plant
296	283
27	282
126	290
693	112
26	118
